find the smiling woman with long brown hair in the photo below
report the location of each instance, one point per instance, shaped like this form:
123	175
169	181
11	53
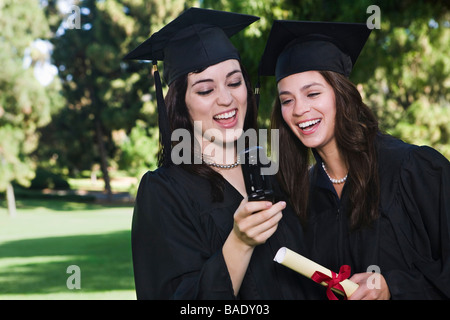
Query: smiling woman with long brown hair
194	233
355	133
367	200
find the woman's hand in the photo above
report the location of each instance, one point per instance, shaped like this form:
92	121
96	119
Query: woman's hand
379	291
256	221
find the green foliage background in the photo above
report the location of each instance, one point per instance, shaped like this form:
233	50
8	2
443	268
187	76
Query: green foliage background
100	110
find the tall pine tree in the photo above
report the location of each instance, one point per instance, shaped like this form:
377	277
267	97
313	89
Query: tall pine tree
25	103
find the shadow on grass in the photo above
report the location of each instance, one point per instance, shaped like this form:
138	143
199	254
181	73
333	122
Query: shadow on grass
40	265
59	204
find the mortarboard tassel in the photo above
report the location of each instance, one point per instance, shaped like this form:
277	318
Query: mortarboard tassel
163	121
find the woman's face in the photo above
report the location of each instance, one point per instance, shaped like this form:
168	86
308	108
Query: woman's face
308	107
217	97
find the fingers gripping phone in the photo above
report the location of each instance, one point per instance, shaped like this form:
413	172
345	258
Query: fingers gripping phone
257	185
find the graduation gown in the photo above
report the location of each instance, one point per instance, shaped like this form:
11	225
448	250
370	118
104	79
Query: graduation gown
410	242
177	238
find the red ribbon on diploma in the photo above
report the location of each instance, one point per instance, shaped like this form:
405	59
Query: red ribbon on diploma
333	282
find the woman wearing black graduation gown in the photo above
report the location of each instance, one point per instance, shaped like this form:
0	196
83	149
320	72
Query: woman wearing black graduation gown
375	202
194	234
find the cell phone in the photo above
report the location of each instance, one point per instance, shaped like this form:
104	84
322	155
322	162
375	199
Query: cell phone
257	185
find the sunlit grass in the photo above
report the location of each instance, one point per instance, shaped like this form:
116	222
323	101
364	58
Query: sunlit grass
46	237
75	295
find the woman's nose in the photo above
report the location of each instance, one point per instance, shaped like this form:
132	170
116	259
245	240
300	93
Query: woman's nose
301	107
225	98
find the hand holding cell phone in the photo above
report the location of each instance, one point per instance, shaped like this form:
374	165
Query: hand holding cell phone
257	185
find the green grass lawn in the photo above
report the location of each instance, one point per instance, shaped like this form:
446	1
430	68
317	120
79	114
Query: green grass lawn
48	236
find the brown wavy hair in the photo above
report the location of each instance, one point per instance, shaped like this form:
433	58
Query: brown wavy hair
355	131
179	117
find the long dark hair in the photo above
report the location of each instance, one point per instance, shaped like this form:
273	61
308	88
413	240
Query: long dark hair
179	117
355	131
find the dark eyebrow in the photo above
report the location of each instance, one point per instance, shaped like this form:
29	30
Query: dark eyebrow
233	72
305	87
202	80
229	74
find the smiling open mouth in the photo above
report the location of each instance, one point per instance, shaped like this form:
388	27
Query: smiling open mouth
226	115
308	124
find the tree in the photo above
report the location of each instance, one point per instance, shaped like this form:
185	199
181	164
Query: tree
25	104
106	95
403	72
410	86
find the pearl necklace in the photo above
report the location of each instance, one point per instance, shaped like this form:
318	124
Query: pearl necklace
334	181
222	166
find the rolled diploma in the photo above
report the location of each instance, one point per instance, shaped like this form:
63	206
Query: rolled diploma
307	267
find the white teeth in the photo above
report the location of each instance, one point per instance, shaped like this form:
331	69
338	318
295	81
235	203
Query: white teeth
308	123
225	115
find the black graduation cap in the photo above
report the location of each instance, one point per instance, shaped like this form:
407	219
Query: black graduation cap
195	40
298	46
